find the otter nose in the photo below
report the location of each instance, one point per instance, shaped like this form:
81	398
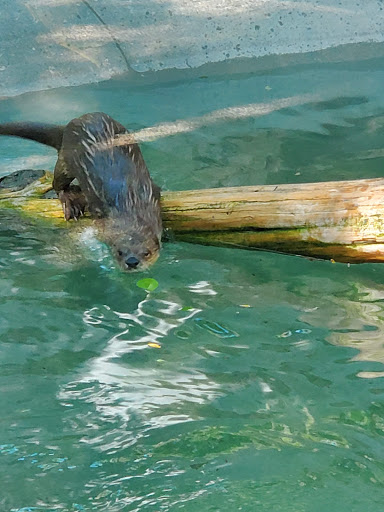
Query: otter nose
132	262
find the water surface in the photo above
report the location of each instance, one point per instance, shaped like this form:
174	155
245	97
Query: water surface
266	391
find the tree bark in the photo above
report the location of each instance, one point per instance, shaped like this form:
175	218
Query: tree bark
340	220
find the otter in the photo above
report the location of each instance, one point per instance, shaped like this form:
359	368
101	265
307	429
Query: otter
114	184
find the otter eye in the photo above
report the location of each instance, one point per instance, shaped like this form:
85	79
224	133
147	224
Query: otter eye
119	253
146	254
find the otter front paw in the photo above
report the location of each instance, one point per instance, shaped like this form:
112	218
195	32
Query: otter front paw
73	203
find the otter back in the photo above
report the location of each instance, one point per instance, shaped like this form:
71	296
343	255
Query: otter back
111	177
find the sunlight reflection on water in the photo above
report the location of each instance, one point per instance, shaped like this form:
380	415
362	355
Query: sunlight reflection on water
124	389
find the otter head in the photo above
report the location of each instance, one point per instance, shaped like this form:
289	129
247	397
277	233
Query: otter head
136	251
135	245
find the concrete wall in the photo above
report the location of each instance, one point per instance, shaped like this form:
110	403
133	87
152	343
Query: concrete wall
48	43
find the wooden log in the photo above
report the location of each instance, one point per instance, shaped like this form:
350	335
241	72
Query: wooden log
340	220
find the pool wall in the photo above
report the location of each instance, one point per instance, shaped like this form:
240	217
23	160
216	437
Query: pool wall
49	43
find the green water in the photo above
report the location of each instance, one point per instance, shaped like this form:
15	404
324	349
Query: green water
266	392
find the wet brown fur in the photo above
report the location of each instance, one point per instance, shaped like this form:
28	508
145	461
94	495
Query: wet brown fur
113	184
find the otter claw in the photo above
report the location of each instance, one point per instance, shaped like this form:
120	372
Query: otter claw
73	203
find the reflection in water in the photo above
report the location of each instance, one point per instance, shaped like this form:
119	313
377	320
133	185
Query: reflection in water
226	114
116	385
27	162
355	319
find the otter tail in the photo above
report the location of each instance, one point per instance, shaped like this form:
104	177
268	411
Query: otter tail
49	134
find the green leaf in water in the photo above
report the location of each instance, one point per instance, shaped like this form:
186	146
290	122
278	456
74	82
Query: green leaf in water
148	284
